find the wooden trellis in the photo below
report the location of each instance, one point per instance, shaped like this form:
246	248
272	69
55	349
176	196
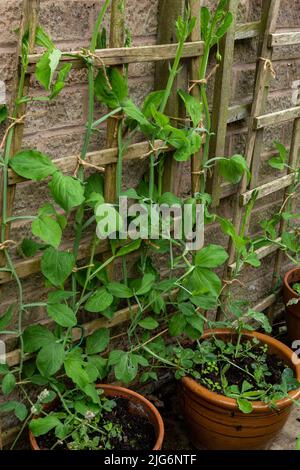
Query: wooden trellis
117	55
257	123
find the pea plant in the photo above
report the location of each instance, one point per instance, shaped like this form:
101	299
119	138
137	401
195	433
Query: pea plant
68	365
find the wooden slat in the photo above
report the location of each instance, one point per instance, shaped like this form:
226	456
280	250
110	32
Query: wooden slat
129	55
222	97
261	253
265	303
276	118
247	30
268	188
153	53
284	39
238	112
31	266
135	151
99	158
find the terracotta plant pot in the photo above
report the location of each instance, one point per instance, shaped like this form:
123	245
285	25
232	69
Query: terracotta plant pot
292	311
215	422
138	405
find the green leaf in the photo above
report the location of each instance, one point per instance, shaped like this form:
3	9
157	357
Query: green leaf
206	302
6	318
99	301
146	284
119	84
19	409
62	315
104	93
58	296
3	369
114	93
133	112
279	161
233	169
46	67
276	163
177	324
131	247
41	426
211	256
205	20
228	228
291	241
149	323
68	192
187	309
155	99
121	291
193	107
47	230
32	165
253	260
262	319
169	199
206	281
8	383
60	81
221	31
50	359
42	39
57	266
98	341
197	322
74	367
115	357
3	113
29	247
296	288
244	405
37	336
94	184
126	370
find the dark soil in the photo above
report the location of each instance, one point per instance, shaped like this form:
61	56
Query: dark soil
138	431
236	376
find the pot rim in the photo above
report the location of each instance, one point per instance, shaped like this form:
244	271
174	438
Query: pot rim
160	429
286	281
230	403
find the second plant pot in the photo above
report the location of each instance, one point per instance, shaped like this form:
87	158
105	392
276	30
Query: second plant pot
138	405
292	311
215	422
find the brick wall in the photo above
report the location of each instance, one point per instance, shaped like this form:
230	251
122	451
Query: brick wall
57	128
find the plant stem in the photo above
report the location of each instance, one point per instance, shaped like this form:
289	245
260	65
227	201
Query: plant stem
203	86
80	211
